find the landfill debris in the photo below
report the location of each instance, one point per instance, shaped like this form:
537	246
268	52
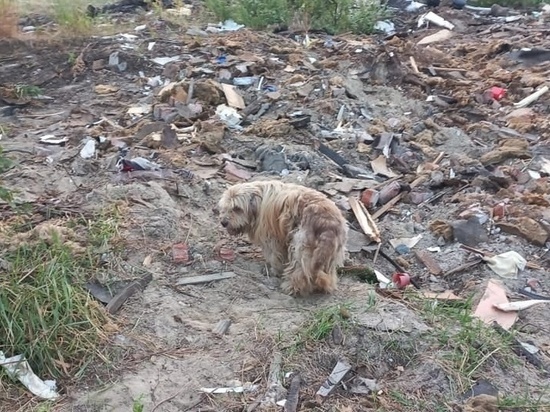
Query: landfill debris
364	386
18	368
365	220
412	129
431	17
495	294
275	392
222	327
120	298
401	280
293	397
409	243
506	264
531	98
238	388
519	305
196	280
88	151
340	370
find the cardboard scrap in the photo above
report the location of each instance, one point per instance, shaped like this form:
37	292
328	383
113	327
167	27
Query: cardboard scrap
495	294
234	99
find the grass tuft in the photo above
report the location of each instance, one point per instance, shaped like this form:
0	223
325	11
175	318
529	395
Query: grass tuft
467	344
9	17
5	165
323	322
47	316
45	313
71	17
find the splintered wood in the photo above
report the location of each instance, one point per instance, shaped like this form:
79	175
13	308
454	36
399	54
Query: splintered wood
365	220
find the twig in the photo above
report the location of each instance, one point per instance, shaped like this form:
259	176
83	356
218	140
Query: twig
463	267
376	254
169	399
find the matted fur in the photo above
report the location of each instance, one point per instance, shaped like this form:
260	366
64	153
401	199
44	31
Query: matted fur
301	232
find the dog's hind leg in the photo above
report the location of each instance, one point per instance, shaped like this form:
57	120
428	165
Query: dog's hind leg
326	256
297	279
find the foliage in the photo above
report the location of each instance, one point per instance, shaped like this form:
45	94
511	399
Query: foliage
333	16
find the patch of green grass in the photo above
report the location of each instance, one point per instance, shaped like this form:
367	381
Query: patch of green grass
138	405
410	405
25	90
324	321
5	164
48	316
333	16
72	17
318	327
105	227
523	403
467	344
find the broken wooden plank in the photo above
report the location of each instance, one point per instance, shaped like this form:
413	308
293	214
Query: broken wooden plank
428	260
337	374
195	280
365	220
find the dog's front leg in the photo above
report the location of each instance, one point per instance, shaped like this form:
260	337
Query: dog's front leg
275	257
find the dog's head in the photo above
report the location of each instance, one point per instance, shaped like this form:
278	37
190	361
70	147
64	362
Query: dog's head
238	208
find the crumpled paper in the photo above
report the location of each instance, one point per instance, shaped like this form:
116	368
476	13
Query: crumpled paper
18	368
506	264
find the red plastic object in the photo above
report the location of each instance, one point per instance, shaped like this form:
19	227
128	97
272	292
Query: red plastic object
497	93
401	280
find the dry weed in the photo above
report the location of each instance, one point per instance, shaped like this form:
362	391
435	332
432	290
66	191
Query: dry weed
9	17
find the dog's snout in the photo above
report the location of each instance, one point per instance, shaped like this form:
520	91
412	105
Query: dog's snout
225	222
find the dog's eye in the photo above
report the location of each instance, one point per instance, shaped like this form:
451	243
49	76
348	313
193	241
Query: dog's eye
237	210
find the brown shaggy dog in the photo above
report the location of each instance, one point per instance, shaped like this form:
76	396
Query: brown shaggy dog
301	232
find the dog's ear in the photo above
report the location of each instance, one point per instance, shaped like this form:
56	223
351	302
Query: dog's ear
254	204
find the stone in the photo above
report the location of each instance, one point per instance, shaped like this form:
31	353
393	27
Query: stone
527	228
